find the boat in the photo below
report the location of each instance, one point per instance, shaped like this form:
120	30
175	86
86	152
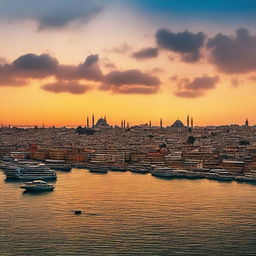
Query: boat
118	169
58	165
37	186
30	172
98	169
138	169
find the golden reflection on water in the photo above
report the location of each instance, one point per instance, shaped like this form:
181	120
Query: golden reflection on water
128	214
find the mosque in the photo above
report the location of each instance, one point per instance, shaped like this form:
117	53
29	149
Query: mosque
102	123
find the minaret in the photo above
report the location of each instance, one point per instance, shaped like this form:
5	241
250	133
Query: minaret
192	122
150	124
246	122
188	121
87	122
128	126
161	123
92	120
105	118
124	123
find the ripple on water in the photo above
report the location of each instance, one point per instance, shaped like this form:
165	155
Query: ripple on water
128	214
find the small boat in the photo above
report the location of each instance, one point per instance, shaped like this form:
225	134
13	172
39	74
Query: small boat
37	186
118	169
138	169
98	169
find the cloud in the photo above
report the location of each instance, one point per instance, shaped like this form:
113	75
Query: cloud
121	49
131	77
135	90
31	66
233	54
61	86
146	53
48	13
186	43
34	66
88	70
131	81
197	87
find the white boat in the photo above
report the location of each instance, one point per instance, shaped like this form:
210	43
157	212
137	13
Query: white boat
31	172
37	186
58	165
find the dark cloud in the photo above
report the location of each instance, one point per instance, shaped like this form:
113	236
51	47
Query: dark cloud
91	59
186	43
131	81
49	13
6	79
131	77
70	87
233	54
201	83
196	87
88	70
146	53
31	66
35	66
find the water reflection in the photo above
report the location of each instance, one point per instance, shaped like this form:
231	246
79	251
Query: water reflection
128	214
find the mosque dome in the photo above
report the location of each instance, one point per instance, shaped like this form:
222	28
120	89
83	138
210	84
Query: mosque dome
102	123
177	124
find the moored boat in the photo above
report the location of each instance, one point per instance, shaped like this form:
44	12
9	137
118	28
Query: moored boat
118	169
97	169
30	172
58	165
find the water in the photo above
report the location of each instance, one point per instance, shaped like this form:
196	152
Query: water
128	214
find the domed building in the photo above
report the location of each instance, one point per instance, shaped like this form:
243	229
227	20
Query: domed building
102	123
177	124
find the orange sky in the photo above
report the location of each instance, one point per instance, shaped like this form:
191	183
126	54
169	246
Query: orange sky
114	28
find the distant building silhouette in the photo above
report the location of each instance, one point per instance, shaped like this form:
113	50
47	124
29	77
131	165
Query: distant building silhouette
177	124
246	122
101	124
92	120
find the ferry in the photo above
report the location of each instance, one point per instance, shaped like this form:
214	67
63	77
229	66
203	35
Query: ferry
58	165
37	186
30	172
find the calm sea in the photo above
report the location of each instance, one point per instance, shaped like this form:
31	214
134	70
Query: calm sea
128	214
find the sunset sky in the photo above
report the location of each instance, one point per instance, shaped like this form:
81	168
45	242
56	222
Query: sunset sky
138	60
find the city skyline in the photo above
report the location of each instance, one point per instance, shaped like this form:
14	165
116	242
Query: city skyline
137	61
